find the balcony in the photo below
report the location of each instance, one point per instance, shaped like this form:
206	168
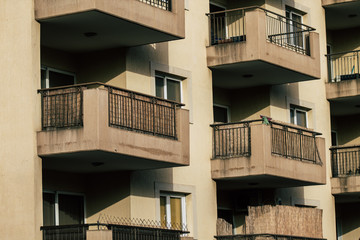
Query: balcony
88	25
252	154
96	127
269	222
343	87
123	231
253	46
345	162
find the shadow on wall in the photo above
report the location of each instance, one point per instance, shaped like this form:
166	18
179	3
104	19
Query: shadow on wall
348	219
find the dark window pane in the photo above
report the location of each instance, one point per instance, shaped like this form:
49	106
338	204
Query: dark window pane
43	78
48	209
220	114
292	116
301	118
173	90
159	82
71	209
57	79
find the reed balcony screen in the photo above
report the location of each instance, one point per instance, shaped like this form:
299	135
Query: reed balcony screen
344	66
162	4
234	140
264	237
62	108
229	26
345	161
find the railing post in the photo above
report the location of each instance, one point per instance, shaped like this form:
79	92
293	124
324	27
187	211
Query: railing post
301	149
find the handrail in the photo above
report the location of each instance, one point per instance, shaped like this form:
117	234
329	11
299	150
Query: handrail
265	10
109	86
275	236
339	53
344	147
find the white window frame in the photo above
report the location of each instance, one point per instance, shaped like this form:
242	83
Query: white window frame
291	13
165	78
297	109
168	210
227	110
47	69
56	215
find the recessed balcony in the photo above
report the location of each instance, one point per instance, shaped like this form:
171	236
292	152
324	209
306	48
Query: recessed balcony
97	128
88	25
342	14
253	47
254	155
345	163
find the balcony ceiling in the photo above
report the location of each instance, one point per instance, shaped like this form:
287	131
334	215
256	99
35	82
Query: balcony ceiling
67	32
345	106
254	73
342	16
99	161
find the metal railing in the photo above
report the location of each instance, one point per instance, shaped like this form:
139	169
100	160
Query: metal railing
344	66
62	107
229	26
345	160
294	142
119	232
162	4
231	140
264	236
234	140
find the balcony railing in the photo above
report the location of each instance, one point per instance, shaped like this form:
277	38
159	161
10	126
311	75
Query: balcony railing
229	26
345	161
344	66
264	237
234	140
119	232
163	4
62	107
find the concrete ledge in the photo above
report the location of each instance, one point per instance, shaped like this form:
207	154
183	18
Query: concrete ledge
345	185
343	89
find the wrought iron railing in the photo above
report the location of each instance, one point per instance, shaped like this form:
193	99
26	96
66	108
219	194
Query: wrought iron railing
122	229
264	236
62	107
162	4
231	140
344	66
289	141
345	160
229	26
294	142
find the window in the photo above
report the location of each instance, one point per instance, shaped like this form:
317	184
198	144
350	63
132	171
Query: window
63	208
221	113
294	27
298	116
172	210
55	78
168	87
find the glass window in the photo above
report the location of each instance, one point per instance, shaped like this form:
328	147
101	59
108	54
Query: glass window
294	27
168	88
62	209
172	210
298	116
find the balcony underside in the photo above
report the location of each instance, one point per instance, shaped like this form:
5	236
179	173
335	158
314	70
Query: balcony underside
338	12
100	161
254	73
67	32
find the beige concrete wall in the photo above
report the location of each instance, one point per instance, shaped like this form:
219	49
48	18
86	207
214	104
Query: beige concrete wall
20	171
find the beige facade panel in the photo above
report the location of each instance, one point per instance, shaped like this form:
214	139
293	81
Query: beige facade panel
279	56
345	185
343	89
264	169
96	24
96	144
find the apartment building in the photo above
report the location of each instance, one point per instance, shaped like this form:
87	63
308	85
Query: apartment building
166	119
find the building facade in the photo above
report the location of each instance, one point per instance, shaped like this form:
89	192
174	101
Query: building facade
165	119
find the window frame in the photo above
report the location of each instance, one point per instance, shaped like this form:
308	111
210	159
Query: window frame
291	12
56	203
48	69
168	207
166	77
299	109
